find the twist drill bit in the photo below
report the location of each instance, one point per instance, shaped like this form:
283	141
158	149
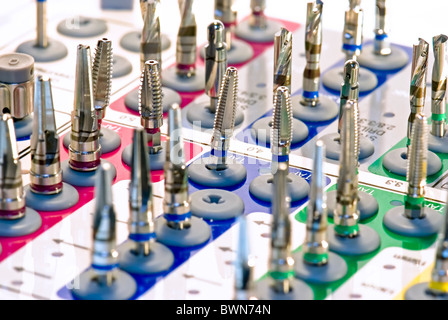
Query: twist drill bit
313	48
104	255
352	35
45	172
244	265
281	262
224	120
150	104
439	82
141	218
12	196
176	203
186	41
84	149
350	87
225	13
41	24
438	285
257	19
380	45
346	215
102	77
215	62
418	81
150	41
316	245
417	168
281	127
282	59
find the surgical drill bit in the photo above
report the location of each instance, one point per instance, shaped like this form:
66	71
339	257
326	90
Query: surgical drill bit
438	92
244	265
41	25
104	253
150	104
438	284
315	247
281	133
350	87
141	218
313	47
281	262
84	149
12	197
102	77
381	45
224	120
346	214
282	59
418	82
176	203
225	13
417	168
215	62
186	41
257	19
352	37
150	41
45	172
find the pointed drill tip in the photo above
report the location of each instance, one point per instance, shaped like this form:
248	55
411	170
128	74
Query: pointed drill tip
216	32
103	187
439	40
140	158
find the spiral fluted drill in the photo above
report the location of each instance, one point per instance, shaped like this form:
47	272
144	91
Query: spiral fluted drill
85	148
244	265
257	19
150	104
315	247
224	119
281	262
102	77
418	82
186	41
346	214
141	217
381	45
104	253
12	196
438	285
417	168
352	37
150	41
439	82
350	87
215	62
313	48
176	203
225	13
45	172
282	59
281	133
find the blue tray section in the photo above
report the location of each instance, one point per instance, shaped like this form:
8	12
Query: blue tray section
313	127
254	167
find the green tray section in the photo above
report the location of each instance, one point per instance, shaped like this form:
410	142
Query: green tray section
386	200
377	166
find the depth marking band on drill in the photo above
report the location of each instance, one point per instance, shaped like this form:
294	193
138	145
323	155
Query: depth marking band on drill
142	237
177	217
310	94
105	268
351	47
284	158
